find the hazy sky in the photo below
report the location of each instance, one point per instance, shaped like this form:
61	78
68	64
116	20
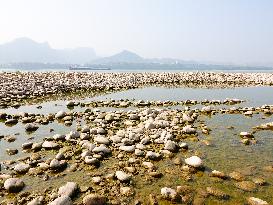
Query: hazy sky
235	31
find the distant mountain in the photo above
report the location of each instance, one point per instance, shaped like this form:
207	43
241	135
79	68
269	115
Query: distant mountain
27	50
122	57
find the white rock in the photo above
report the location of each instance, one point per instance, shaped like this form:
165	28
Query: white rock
68	190
14	185
256	201
122	176
194	161
63	200
168	193
60	114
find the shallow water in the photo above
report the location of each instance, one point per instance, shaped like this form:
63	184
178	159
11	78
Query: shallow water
226	153
253	96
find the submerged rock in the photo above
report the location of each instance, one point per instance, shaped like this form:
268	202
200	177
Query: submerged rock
256	201
246	185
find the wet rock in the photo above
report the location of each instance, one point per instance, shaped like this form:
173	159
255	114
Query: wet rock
126	191
27	145
256	201
11	122
56	164
217	193
218	174
246	135
94	199
188	129
171	146
72	135
11	151
62	200
153	155
102	140
31	127
37	146
246	186
101	131
70	104
236	176
194	161
69	189
60	114
168	193
102	148
259	181
122	176
21	168
37	201
91	160
127	148
50	145
14	185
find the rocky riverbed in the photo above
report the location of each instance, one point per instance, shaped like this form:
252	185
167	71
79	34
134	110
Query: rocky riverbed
134	151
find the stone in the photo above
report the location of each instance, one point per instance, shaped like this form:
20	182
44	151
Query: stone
69	189
58	137
27	145
94	199
171	146
101	140
188	129
37	201
31	127
91	160
11	151
149	125
153	155
14	185
122	176
256	201
127	148
101	131
60	114
62	200
168	193
56	164
217	193
50	145
126	191
21	168
102	148
246	186
236	176
194	161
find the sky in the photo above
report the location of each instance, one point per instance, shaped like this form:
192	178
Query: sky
222	31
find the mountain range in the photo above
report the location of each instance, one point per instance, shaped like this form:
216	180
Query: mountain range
24	52
27	50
